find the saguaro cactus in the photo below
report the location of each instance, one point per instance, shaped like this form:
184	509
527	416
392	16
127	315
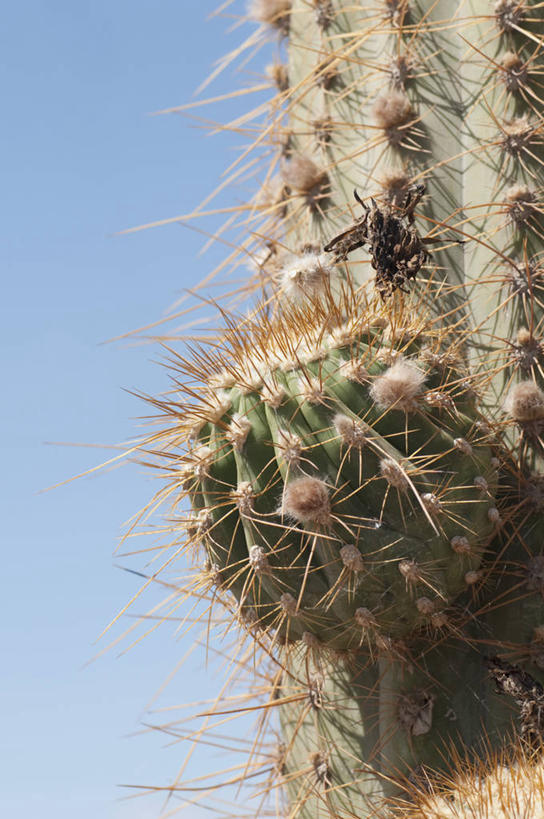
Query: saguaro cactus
363	451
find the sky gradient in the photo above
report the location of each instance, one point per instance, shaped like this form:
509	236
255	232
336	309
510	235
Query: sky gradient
82	159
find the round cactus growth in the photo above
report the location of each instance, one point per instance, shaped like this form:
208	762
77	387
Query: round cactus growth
343	486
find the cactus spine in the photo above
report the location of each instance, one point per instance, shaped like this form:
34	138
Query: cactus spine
366	472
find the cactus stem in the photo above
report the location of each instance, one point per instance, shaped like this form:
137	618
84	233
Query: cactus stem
344	480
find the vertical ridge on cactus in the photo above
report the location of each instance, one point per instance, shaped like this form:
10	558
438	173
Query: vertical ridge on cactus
362	449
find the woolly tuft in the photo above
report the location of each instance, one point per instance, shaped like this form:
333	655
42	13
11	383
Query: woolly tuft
272	12
525	402
398	387
394	474
349	430
393	111
511	790
307	276
307	499
352	558
303	175
520	201
279	75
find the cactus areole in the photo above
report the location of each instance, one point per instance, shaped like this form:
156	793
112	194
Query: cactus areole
363	451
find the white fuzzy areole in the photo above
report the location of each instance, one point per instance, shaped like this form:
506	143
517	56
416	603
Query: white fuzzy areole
306	276
525	402
399	386
307	499
394	474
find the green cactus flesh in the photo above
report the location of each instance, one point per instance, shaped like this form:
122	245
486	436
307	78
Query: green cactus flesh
332	515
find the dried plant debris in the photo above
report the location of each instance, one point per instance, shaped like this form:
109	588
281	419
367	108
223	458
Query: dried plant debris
528	695
397	251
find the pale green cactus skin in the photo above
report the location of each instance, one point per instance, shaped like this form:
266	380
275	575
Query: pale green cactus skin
351	722
381	96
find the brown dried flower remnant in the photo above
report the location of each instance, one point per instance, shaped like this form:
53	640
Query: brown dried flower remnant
397	252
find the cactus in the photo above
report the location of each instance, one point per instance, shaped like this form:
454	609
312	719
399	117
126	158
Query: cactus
363	449
333	485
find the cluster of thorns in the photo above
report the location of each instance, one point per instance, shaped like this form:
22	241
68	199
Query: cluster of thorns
397	250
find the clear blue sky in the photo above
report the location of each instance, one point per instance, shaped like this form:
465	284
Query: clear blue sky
81	159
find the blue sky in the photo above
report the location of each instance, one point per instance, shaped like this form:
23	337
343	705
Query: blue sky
81	159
